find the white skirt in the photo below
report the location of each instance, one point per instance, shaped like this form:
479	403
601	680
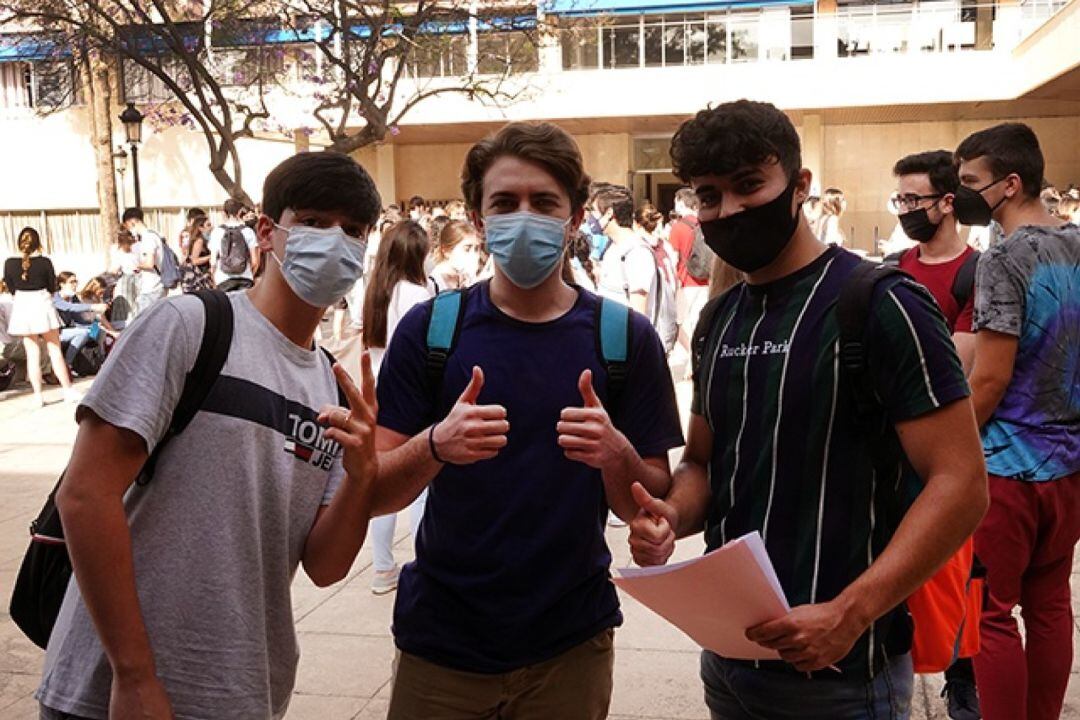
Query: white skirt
33	313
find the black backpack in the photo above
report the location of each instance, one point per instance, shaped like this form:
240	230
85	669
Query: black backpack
700	262
852	312
235	255
46	568
963	285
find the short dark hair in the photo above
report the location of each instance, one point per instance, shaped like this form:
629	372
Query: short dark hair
938	165
688	198
233	207
544	144
195	212
417	201
132	213
323	180
1008	148
620	201
720	140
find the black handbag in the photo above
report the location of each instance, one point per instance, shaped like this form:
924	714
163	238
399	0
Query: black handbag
46	568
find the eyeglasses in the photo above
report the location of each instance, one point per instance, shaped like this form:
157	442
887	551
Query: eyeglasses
909	202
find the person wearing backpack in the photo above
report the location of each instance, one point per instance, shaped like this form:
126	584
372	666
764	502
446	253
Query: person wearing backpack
234	250
181	605
148	251
693	266
628	272
527	406
815	381
946	609
1024	385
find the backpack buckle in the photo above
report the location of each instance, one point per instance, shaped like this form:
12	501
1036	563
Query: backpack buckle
852	355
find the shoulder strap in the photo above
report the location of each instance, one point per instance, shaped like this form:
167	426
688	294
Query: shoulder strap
963	286
442	333
893	259
613	342
342	399
213	352
852	312
706	320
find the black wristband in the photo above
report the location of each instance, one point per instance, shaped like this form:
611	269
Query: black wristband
431	445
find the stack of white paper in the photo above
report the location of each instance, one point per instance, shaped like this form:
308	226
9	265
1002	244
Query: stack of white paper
715	598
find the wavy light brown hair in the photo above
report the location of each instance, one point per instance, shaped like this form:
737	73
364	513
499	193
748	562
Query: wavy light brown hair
544	144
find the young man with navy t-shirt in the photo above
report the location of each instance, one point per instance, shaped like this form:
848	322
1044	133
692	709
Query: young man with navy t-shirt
509	608
779	443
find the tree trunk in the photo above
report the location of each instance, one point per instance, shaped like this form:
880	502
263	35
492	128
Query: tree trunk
98	92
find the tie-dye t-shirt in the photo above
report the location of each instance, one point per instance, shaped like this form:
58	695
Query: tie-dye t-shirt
1029	287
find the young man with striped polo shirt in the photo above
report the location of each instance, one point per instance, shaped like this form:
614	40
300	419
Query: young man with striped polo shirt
777	443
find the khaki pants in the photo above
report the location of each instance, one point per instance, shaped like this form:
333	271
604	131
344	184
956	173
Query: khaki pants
573	686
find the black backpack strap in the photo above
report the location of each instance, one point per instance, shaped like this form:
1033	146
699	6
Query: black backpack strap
705	326
342	398
852	313
444	327
213	352
963	286
893	259
613	343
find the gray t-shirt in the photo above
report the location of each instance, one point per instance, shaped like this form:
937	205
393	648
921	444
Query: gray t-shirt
219	532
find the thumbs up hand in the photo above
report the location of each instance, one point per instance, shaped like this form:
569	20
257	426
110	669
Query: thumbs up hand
471	432
586	433
652	532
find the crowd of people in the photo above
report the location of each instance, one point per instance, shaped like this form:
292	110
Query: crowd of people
904	436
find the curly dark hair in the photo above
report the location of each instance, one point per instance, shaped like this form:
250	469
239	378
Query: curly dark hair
720	140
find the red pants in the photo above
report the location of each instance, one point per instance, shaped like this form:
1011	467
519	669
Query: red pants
1026	542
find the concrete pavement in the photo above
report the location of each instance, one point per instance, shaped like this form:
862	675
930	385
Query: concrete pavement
344	631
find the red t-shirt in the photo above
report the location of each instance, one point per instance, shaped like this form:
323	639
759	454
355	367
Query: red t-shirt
682	239
938	279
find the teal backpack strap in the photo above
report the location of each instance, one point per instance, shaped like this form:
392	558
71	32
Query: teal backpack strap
442	334
613	340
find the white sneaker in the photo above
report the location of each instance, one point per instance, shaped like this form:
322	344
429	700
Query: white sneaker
385	581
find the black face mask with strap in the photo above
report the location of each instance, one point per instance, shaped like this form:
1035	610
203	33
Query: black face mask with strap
752	239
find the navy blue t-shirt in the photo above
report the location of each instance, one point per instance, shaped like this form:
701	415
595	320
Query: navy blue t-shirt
511	564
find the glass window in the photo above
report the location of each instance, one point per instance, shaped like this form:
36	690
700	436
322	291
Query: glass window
802	33
501	52
674	43
621	46
743	37
580	46
441	56
654	43
53	84
717	40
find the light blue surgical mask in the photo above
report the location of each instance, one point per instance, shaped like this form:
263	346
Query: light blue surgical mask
321	265
527	247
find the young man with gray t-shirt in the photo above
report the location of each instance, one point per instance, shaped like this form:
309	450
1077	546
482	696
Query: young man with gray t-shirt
182	606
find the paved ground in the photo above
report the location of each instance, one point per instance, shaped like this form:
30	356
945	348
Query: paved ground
344	631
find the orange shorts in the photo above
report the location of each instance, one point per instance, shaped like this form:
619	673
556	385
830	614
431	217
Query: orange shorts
946	613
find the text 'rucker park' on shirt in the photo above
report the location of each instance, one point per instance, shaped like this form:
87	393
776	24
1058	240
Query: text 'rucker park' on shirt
789	457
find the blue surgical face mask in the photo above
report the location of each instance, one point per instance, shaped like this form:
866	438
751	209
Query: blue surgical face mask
321	265
527	247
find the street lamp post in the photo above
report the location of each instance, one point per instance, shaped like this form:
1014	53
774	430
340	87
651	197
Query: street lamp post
132	119
120	161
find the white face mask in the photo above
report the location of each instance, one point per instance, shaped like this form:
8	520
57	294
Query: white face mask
321	265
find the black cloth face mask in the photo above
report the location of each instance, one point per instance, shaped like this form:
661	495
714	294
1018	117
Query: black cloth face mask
971	207
917	225
751	239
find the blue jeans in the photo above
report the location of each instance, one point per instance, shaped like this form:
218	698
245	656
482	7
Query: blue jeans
76	337
738	691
